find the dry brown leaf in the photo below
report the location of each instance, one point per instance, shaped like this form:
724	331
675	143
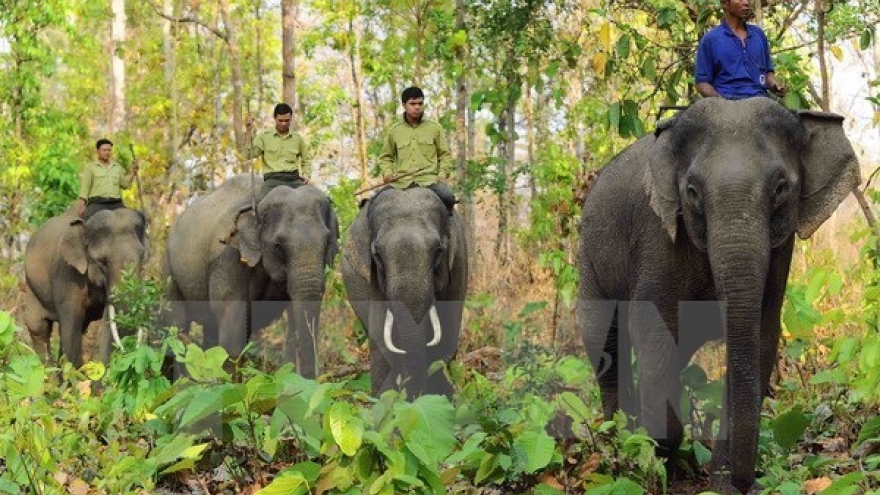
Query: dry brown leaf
591	466
78	487
816	485
551	480
85	388
61	478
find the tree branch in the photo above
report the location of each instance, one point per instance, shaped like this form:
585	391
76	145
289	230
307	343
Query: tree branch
194	20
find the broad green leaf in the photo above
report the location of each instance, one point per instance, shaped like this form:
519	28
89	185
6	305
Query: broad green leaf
471	446
535	447
622	48
866	39
286	484
845	485
621	486
543	489
210	401
789	427
702	454
427	428
574	406
870	431
347	428
487	467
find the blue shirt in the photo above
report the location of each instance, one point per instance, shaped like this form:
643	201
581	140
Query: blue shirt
733	69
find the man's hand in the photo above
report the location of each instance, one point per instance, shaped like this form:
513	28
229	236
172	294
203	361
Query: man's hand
774	86
81	208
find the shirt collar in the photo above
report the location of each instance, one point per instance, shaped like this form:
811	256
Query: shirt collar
729	31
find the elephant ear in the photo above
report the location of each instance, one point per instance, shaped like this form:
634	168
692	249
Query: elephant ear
455	239
245	237
829	170
661	183
333	226
357	246
73	247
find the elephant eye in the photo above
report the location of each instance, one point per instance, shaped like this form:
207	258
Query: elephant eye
693	197
780	192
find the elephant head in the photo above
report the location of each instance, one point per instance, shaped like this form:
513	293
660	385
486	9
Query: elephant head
103	246
292	237
406	256
742	177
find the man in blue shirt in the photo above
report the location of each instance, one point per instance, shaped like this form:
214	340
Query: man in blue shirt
733	59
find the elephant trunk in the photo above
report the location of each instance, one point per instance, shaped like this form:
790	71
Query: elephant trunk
306	291
739	256
411	325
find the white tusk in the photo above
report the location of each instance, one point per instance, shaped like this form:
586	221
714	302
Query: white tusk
389	323
435	324
111	313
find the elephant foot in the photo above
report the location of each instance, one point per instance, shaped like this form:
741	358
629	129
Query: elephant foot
720	483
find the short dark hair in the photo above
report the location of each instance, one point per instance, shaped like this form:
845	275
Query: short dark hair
102	142
411	93
282	109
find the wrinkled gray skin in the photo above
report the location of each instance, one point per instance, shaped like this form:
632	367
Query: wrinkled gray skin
409	251
218	261
70	267
704	209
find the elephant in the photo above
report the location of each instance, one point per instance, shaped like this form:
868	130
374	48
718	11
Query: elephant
704	209
70	266
405	269
235	270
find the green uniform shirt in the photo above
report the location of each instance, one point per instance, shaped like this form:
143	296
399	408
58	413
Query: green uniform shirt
282	153
415	153
104	181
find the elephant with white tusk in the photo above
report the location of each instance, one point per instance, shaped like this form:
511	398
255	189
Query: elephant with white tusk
70	266
405	268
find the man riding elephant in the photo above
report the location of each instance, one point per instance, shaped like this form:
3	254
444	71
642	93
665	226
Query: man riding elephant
286	158
415	152
102	182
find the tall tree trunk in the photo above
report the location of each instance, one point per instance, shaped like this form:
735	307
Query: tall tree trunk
502	173
530	138
169	31
288	38
235	75
462	107
354	58
820	49
261	83
117	72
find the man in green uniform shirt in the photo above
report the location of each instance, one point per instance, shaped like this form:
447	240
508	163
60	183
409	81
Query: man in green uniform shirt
415	151
286	160
102	182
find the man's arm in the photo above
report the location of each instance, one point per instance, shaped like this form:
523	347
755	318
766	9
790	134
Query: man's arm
306	157
444	156
704	72
85	186
127	178
386	158
706	89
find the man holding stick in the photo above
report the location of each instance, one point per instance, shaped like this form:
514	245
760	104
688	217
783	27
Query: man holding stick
415	152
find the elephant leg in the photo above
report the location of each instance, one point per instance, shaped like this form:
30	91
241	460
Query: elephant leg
771	327
657	357
233	323
380	368
379	371
71	329
599	329
38	324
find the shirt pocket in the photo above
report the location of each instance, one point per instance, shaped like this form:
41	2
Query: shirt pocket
426	147
290	155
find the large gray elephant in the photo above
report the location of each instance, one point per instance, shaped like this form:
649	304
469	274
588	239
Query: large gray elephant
405	268
234	273
70	266
704	209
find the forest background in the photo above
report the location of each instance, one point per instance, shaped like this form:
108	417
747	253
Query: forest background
535	96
